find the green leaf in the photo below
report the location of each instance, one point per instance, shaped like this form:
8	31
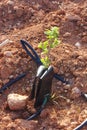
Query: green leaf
55	42
45	45
40	45
51	42
45	61
47	32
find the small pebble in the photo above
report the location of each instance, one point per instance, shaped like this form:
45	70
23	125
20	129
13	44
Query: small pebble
16	101
67	86
67	34
73	18
77	44
11	76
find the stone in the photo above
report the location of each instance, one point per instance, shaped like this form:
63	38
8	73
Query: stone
77	44
16	101
67	86
5	42
73	18
19	11
67	34
11	76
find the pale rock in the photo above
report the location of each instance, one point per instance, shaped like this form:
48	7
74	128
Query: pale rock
5	42
16	101
67	86
77	44
11	76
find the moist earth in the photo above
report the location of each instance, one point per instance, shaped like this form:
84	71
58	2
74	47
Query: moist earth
28	19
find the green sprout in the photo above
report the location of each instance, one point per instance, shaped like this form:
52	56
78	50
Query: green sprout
51	42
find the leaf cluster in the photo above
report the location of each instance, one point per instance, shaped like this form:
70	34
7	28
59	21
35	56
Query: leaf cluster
51	42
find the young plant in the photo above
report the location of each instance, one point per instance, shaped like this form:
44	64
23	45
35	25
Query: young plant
51	42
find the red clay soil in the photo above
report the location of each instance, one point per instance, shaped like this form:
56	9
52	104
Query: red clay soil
28	19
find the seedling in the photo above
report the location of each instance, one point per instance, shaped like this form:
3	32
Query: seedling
51	42
41	90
